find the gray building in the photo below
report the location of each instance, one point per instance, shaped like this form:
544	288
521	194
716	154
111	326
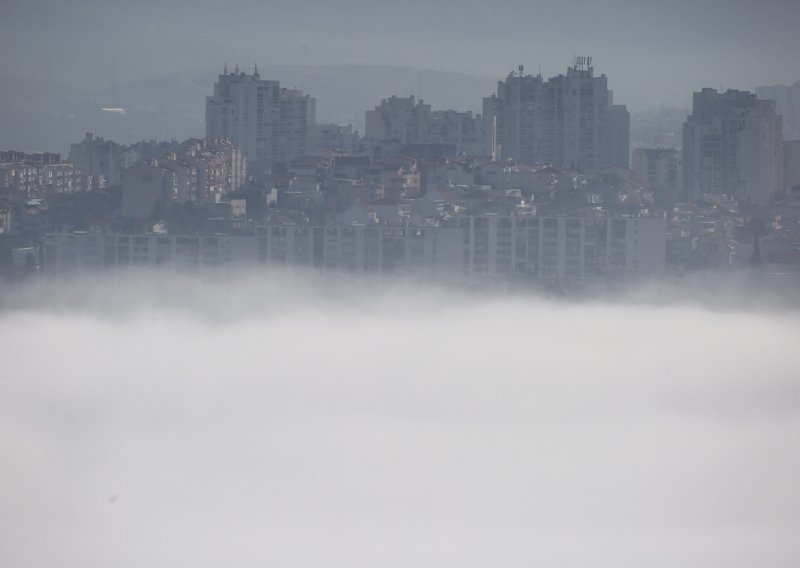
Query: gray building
568	121
473	249
266	120
787	100
150	189
464	130
733	145
659	169
399	118
371	249
100	158
563	248
619	136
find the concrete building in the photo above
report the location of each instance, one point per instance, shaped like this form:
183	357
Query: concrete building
787	101
6	215
220	167
149	188
464	130
403	119
791	166
100	158
660	170
733	145
568	121
514	118
335	139
80	251
472	249
619	136
37	175
202	171
563	248
333	249
265	120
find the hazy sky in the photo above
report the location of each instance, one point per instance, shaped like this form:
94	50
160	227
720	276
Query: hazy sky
655	52
263	422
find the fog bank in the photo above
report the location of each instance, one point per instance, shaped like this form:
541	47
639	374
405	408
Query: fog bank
361	426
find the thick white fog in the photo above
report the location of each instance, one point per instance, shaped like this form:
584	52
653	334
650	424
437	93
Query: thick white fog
264	422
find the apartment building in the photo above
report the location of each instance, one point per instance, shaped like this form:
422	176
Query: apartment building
563	248
464	130
472	249
266	120
733	145
568	121
337	249
403	119
660	170
37	175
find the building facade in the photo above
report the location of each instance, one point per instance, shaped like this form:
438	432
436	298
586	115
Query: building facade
266	120
335	139
568	121
403	119
563	248
475	248
201	171
733	145
38	175
333	249
660	170
103	160
791	166
787	100
464	130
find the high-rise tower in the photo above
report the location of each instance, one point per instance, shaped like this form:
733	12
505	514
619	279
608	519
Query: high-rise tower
733	144
567	121
266	120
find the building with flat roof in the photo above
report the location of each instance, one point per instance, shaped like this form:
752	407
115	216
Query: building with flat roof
399	118
733	145
568	121
266	120
659	169
471	249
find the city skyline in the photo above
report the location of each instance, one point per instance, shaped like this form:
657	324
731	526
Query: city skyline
399	283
